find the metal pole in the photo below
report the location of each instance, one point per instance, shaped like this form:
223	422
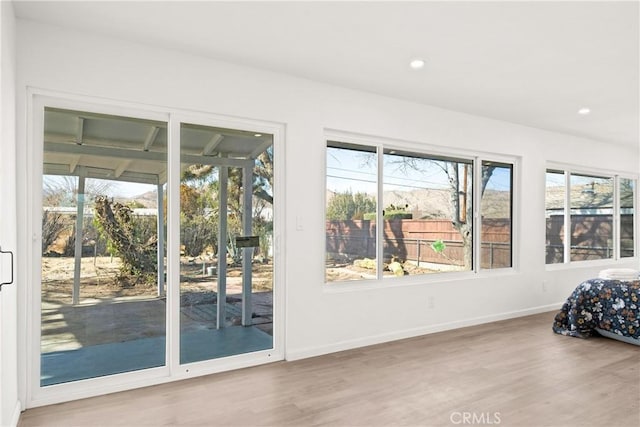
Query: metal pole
78	244
247	253
490	254
222	247
160	229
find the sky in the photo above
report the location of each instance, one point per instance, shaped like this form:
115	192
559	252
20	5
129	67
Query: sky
114	188
349	170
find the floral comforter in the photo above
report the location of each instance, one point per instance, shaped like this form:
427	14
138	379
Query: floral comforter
610	305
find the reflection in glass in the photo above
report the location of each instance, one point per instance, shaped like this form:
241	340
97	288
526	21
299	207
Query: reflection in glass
350	230
627	215
495	210
555	195
591	217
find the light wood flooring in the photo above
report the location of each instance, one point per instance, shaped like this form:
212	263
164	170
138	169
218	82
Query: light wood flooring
511	373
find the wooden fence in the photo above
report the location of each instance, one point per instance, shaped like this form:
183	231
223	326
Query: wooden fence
591	237
411	240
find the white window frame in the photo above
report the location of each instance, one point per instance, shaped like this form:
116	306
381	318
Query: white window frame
478	197
603	173
475	158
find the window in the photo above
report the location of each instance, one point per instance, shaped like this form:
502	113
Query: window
496	211
591	201
351	243
555	196
103	246
414	212
427	213
627	230
599	218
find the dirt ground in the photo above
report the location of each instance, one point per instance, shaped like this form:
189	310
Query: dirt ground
341	271
97	279
109	312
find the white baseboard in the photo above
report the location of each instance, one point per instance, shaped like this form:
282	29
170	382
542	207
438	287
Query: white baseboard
414	332
16	415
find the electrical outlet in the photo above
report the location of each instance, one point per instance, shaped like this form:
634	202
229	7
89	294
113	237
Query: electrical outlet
544	286
431	303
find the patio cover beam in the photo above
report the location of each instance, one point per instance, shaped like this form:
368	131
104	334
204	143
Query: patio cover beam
212	144
150	139
125	153
73	164
80	131
121	168
100	173
260	148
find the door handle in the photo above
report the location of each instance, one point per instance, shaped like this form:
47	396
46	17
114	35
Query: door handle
11	281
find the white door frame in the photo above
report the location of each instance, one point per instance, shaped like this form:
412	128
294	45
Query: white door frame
34	394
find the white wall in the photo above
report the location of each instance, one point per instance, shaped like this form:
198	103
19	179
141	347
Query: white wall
324	318
9	407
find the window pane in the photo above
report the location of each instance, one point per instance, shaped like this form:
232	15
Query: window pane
627	212
103	305
427	214
351	212
226	281
591	217
554	213
495	210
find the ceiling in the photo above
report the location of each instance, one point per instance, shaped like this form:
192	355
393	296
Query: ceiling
532	63
135	150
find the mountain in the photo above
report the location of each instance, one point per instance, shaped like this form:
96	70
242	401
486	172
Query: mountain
148	200
436	203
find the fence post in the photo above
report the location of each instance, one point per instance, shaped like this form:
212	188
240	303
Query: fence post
490	254
419	241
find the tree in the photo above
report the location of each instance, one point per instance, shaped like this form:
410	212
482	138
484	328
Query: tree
263	173
200	211
461	201
128	239
198	224
61	191
459	178
53	224
348	206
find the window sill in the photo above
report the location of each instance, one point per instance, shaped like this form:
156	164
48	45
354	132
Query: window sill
591	264
420	280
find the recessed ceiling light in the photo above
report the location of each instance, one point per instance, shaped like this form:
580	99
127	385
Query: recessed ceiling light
417	63
584	111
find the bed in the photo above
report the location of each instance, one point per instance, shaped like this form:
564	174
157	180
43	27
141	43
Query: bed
600	306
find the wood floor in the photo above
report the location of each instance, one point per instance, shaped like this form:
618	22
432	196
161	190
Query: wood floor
511	373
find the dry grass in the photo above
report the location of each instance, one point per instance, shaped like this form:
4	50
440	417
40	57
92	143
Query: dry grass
98	279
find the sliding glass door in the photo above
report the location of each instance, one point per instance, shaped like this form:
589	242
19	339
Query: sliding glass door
156	255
